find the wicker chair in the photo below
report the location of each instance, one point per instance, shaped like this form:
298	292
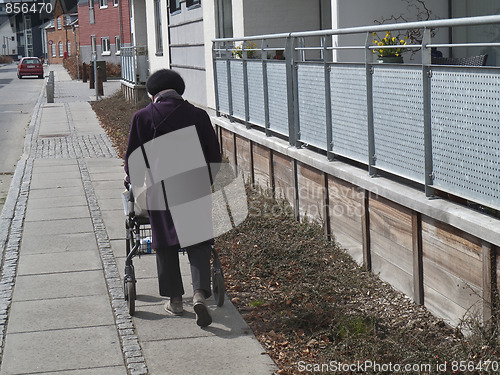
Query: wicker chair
479	60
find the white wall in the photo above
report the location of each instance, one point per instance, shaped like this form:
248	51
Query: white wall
138	22
346	13
278	16
6	34
209	33
156	62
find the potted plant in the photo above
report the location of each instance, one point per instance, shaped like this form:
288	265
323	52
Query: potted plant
389	55
238	50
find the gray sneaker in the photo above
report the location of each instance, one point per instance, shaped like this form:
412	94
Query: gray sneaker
203	317
174	308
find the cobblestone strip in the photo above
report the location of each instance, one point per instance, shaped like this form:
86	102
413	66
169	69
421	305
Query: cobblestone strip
134	357
132	351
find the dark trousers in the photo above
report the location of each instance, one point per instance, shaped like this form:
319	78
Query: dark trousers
169	272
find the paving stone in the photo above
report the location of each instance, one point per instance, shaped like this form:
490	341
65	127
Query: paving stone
36	264
80	348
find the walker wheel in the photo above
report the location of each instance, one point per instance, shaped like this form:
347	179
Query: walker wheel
218	288
130	296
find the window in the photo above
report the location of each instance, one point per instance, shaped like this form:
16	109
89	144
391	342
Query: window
103	3
69	48
61	49
91	12
190	3
59	23
158	28
53	50
115	3
175	6
117	45
106	48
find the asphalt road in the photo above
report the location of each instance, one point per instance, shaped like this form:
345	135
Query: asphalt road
17	101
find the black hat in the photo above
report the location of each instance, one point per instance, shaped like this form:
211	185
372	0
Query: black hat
164	79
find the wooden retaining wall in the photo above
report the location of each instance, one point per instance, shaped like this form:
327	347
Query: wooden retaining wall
411	245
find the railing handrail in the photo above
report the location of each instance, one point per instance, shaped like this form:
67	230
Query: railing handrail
451	22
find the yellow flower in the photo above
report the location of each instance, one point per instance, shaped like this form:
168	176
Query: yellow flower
403	42
374	34
394	39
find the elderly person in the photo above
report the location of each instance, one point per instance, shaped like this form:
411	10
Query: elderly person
168	113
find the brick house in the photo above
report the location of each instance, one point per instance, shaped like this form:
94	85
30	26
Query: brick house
62	32
104	28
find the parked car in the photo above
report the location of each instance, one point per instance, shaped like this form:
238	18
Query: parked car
30	66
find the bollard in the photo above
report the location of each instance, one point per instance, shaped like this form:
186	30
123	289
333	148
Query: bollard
100	88
84	72
91	78
50	88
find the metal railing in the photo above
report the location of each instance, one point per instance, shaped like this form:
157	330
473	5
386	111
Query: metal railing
134	64
436	125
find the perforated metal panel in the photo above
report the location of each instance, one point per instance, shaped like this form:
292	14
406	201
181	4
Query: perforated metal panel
278	102
256	93
237	89
349	112
466	133
399	120
221	66
312	114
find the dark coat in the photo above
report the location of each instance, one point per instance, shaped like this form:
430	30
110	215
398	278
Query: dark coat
158	119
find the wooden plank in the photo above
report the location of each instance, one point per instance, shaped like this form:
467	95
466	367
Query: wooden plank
488	276
310	192
365	230
451	286
326	207
392	274
261	165
392	222
445	246
418	270
243	157
391	252
443	307
341	188
352	246
283	177
227	140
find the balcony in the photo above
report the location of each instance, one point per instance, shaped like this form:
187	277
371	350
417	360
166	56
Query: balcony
134	72
433	126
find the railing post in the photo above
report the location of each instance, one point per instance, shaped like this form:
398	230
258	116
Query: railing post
328	101
372	158
229	89
265	86
290	89
245	86
426	77
216	83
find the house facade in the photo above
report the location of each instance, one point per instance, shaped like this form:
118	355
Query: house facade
62	33
8	40
104	28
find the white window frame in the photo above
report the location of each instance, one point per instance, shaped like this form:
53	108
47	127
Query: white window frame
118	45
61	49
93	44
106	47
91	12
68	48
59	23
158	28
54	54
115	3
103	4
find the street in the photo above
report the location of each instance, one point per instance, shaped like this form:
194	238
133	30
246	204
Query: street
17	100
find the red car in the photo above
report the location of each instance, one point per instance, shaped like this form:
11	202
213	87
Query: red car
30	66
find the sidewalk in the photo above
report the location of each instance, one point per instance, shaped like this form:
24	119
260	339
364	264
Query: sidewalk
62	236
